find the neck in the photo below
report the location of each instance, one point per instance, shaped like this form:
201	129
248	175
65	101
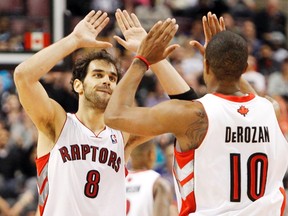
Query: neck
227	89
93	119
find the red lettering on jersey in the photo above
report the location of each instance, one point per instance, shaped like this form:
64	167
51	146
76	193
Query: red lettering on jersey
75	152
94	152
64	154
103	155
80	152
112	159
85	150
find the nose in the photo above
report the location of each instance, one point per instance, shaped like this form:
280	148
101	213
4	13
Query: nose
106	80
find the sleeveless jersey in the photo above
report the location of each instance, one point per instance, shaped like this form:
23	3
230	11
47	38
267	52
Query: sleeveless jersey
139	192
84	174
239	166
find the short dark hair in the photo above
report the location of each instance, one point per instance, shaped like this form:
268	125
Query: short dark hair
81	65
227	55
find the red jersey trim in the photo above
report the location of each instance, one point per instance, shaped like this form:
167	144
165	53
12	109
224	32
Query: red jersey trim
41	162
188	205
282	190
96	135
183	157
234	98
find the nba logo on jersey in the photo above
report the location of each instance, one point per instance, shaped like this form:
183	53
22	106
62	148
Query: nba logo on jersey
113	138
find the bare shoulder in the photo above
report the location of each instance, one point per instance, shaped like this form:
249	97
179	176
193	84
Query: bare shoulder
194	126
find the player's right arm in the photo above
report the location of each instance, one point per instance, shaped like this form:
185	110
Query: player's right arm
47	115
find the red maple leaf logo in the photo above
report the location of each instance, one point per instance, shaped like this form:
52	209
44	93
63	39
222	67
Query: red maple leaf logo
243	110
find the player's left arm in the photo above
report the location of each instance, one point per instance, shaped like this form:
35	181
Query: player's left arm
171	81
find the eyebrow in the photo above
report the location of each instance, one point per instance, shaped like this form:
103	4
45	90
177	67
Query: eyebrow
102	71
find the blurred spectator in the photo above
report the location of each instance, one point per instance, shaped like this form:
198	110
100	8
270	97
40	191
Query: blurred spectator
231	23
146	191
242	9
283	113
57	85
152	13
5	33
266	63
108	6
256	79
187	57
185	8
278	41
27	201
147	85
156	96
161	142
278	81
12	109
270	19
248	31
10	166
79	8
196	32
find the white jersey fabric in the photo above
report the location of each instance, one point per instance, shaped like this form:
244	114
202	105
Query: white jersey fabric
139	192
84	173
239	167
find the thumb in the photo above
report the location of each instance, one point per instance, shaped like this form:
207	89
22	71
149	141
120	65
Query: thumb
104	44
170	49
198	46
120	41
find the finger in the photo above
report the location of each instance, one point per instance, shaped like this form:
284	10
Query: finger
211	23
170	49
154	29
135	20
216	23
124	20
164	29
207	32
198	46
102	25
97	16
89	16
120	41
120	21
170	32
99	20
128	18
104	44
222	24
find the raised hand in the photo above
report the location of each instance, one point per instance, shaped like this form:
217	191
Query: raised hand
211	25
154	46
87	30
131	29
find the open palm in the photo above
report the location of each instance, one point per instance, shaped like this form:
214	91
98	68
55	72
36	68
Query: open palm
131	29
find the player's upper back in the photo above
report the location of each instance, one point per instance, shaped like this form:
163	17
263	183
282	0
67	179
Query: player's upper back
242	159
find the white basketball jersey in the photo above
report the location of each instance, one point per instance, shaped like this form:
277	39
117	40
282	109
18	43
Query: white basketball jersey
139	192
84	174
239	167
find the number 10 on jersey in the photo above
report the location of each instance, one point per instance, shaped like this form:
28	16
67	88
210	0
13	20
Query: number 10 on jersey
257	166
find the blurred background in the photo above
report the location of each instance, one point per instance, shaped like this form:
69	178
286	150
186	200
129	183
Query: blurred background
27	26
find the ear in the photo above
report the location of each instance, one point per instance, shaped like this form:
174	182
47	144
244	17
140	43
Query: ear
78	86
206	65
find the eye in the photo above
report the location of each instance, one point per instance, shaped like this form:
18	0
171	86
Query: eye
98	75
113	79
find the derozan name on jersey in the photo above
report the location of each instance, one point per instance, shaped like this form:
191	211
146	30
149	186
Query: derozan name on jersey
259	134
102	155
